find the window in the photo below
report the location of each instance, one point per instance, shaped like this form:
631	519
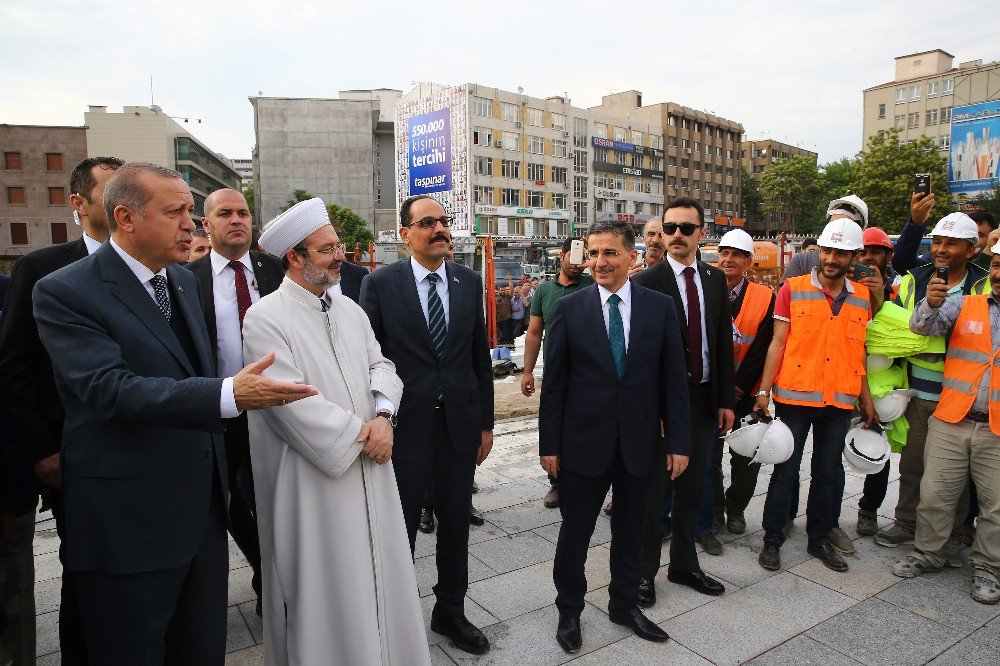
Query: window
931	117
560	148
638	208
697	166
536	145
579	161
685	163
560	174
729	189
12	162
601	130
510	197
482	136
58	229
684	184
656	141
914	93
900	95
511	141
899	122
718	169
483	166
697	146
616	182
484	195
621	158
671	160
686	144
637	185
708	188
656	163
559	121
19	233
774	152
57	196
536	171
672	120
946	114
729	173
708	206
672	181
482	107
656	209
621	206
719	134
697	126
949	87
601	180
509	111
758	168
560	201
536	199
671	140
657	187
685	123
580	132
913	120
54	162
620	134
510	169
637	137
933	88
697	184
718	151
580	187
534	117
580	212
945	142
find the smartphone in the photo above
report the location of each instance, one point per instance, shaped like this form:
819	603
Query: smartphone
862	271
942	272
922	183
576	252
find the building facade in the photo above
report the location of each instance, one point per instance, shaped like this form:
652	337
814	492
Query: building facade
920	98
35	211
244	167
757	157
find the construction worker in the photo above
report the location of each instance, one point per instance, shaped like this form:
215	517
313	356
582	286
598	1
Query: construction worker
963	433
953	245
815	371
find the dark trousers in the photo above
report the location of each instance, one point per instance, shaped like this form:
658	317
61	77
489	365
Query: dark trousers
176	616
72	647
242	505
451	474
876	486
580	501
826	488
687	490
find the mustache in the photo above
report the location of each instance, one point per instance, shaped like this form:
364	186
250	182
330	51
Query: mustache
441	236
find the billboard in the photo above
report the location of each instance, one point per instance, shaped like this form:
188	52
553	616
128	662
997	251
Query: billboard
430	152
975	150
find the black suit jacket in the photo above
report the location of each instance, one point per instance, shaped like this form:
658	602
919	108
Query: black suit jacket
143	432
718	323
585	407
27	390
351	276
464	375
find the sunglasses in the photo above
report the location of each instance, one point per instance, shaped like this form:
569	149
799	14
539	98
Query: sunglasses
687	228
431	222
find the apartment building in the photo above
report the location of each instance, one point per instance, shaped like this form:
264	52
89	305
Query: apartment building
757	157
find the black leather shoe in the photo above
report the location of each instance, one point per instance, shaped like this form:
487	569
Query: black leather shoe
465	635
475	518
640	624
568	634
828	556
647	593
770	557
426	521
697	581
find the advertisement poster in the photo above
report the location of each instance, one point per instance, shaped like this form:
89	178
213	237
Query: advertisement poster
430	152
975	150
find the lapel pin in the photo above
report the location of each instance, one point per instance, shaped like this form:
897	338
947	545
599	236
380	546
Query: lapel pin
456	280
180	288
708	272
260	264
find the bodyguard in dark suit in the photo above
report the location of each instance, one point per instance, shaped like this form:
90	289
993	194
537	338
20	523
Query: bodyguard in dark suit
427	314
143	468
613	384
351	276
232	278
27	389
701	299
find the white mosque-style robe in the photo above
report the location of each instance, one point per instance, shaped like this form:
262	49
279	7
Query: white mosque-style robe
338	579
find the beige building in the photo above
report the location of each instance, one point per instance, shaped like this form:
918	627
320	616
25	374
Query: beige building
34	185
757	157
147	134
920	98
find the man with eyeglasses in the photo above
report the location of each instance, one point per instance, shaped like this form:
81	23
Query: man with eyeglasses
428	317
701	296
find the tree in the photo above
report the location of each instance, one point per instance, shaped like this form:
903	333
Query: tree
751	199
351	227
883	173
837	178
795	185
248	195
989	200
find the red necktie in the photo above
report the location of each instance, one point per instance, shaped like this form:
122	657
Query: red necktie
243	301
694	326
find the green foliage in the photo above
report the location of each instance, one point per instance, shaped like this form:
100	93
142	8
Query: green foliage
990	200
248	195
837	178
297	196
796	185
351	227
751	198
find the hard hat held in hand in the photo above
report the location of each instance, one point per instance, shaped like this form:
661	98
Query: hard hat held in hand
842	234
892	405
738	239
777	445
876	362
866	450
745	439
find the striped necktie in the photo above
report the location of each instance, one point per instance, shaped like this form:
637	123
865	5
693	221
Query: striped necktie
435	315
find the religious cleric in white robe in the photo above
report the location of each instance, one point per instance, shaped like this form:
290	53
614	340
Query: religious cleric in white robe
338	580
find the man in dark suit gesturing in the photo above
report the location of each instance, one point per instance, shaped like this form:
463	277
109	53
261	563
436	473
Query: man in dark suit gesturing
143	467
232	278
701	297
427	314
605	405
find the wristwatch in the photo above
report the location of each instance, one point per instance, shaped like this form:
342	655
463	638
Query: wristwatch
388	416
766	394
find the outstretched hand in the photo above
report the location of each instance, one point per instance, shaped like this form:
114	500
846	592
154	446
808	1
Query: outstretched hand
253	390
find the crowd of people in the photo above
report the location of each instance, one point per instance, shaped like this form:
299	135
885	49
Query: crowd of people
162	384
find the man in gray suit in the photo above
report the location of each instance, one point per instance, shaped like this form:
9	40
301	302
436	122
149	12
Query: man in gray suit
143	464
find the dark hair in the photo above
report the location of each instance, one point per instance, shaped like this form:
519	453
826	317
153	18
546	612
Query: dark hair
980	216
200	233
685	202
404	210
284	258
124	188
809	241
568	243
82	180
620	229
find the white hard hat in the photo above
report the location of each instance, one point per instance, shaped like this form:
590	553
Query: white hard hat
746	437
849	202
866	450
842	234
777	445
876	362
738	239
893	404
957	225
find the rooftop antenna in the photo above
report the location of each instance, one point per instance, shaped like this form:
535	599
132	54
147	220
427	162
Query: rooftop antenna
151	101
520	90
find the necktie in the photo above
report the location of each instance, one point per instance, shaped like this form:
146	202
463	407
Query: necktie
323	306
616	333
435	315
694	327
160	292
243	301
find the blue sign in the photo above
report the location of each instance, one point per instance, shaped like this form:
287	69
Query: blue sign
619	146
430	152
974	157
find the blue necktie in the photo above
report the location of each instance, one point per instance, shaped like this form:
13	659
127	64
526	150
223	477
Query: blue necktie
616	333
159	284
435	315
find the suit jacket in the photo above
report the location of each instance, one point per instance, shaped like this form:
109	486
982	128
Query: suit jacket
586	408
27	390
351	276
718	323
464	375
143	432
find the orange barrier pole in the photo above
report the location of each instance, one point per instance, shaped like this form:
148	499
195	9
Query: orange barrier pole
490	281
371	256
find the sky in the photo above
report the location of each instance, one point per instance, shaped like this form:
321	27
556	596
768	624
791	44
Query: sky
792	71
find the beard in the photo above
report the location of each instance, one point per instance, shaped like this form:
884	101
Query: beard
317	276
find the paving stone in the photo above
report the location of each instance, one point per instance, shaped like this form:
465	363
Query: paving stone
671	599
46	538
523	471
513	552
47	595
981	647
803	651
251	656
47	565
236	558
439	657
531	639
766	615
508	494
47	633
426	571
868	574
238	635
522	517
601	535
634	651
240	589
738	562
943	597
877	632
254	623
427	543
53	659
474	613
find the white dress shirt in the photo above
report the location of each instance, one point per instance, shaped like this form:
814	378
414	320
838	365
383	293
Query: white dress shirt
624	307
336	289
227	400
424	286
91	243
228	336
678	269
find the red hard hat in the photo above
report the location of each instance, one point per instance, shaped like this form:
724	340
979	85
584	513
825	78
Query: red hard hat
875	236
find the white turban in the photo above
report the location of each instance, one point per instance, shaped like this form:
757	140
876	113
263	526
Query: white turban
289	229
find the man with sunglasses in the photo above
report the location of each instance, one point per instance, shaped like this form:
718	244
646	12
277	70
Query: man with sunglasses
427	314
701	296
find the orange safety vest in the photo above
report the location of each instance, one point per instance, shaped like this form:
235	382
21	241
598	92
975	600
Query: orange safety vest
824	362
756	301
970	353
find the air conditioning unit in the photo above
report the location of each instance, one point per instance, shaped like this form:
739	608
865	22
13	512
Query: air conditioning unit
565	133
566	185
517	124
499	144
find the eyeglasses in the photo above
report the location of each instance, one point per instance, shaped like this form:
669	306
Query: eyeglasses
687	228
431	222
328	250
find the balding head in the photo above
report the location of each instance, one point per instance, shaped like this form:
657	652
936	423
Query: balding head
212	200
227	220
